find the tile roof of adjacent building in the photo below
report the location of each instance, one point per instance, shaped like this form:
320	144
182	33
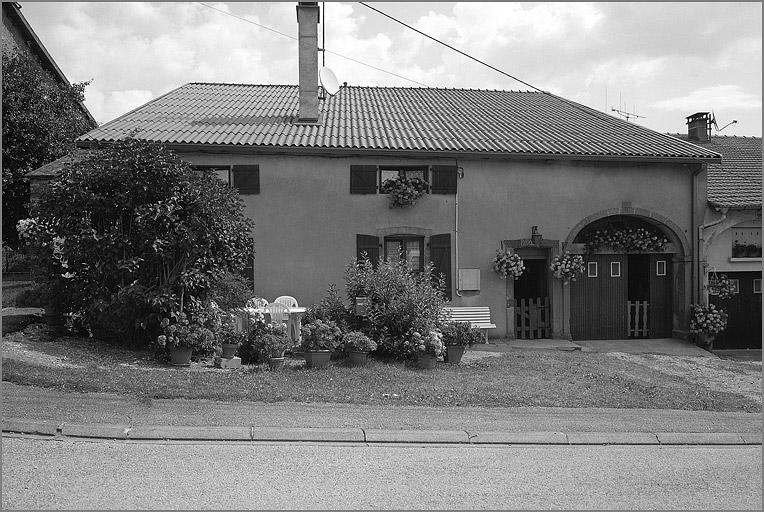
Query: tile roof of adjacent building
736	181
386	119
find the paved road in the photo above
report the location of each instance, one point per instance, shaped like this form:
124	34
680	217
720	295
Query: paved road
70	474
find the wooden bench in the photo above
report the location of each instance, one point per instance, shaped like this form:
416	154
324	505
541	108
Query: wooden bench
479	317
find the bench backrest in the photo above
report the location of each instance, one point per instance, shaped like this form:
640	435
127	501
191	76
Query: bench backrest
479	314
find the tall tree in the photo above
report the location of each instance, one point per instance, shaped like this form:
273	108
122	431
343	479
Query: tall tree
41	119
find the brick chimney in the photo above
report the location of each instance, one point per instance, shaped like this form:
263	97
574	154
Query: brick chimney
307	21
699	127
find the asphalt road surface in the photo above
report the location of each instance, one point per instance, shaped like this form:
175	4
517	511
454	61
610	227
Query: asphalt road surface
79	474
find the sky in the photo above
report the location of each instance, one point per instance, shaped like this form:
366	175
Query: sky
662	61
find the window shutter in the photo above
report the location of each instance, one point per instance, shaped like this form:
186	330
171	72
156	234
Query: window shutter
440	255
247	178
443	179
367	244
363	179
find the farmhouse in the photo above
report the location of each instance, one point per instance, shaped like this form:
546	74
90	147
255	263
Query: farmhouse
526	171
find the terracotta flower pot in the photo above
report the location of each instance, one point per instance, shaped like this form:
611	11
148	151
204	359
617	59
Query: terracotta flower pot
229	350
180	356
454	354
317	358
426	361
705	341
276	363
357	358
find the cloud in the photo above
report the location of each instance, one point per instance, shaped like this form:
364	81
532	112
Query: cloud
106	106
713	97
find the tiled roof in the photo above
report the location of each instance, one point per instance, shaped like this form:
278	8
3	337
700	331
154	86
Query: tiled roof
392	119
56	166
736	181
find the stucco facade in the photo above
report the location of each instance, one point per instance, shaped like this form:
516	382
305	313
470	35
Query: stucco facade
306	220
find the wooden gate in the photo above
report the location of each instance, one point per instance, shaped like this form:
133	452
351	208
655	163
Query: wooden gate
637	319
744	310
660	316
597	298
532	318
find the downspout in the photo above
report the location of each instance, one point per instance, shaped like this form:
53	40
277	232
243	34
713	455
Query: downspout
459	176
695	272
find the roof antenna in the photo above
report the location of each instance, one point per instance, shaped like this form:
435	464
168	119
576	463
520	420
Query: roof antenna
716	126
625	114
326	76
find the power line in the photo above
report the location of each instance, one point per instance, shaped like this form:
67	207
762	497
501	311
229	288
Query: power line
328	51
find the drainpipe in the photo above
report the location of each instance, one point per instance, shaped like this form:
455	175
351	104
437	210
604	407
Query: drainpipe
701	251
695	271
459	176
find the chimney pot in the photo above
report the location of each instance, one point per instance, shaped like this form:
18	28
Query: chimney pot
699	127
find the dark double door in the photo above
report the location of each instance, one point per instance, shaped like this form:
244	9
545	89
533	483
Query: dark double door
744	314
614	286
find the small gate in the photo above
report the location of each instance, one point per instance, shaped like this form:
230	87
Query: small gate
532	318
636	319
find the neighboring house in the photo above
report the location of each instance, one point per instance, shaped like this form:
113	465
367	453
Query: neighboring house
18	33
501	166
731	234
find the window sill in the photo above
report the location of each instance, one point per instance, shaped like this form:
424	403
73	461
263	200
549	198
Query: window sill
743	260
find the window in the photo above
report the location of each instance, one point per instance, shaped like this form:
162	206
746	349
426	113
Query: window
223	172
746	242
368	179
615	269
591	269
757	286
409	249
247	179
390	172
660	267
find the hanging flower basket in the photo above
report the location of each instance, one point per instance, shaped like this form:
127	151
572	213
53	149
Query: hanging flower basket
708	320
404	192
722	287
625	240
567	267
507	263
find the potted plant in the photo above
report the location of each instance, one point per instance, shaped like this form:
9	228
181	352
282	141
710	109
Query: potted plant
230	339
457	336
705	323
358	346
272	343
426	347
181	337
508	263
567	267
404	192
319	339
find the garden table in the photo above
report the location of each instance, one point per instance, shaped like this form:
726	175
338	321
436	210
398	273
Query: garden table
293	324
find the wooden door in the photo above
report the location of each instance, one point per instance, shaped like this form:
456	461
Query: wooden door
598	298
660	303
744	314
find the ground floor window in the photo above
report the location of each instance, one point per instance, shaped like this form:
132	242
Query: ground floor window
408	249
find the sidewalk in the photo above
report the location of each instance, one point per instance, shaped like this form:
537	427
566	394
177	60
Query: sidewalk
54	413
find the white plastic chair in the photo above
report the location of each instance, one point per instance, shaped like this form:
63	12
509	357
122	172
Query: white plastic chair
278	312
256	302
286	300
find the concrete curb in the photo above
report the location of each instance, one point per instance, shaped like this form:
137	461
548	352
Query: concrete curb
369	436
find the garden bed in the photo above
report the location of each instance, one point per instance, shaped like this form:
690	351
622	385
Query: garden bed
516	378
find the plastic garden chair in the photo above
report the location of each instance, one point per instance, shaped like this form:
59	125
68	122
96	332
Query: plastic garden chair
288	301
278	312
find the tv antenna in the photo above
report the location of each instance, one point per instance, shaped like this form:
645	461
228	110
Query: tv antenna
626	115
326	76
716	126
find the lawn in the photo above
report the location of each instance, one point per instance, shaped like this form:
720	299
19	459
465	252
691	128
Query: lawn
515	378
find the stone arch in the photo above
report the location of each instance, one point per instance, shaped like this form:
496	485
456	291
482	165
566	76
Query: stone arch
670	228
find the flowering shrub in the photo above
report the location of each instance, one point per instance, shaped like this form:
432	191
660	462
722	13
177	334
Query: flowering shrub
253	349
179	331
567	267
625	239
358	342
320	335
429	342
227	334
404	192
274	341
708	319
722	287
400	301
461	333
508	263
330	308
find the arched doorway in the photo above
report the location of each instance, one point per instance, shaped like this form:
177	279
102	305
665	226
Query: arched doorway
628	288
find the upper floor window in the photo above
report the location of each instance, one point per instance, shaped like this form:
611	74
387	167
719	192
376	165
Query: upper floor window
368	179
746	242
246	178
